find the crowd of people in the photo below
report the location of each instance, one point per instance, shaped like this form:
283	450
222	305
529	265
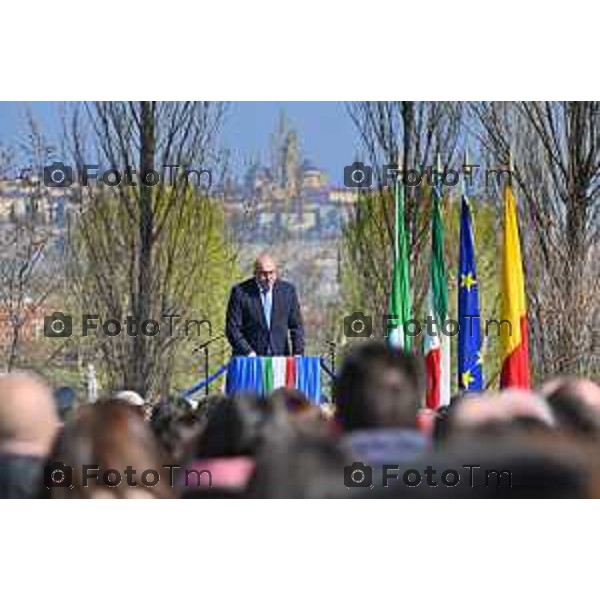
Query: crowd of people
373	440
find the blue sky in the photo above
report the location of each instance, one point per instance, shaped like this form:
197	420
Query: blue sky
326	132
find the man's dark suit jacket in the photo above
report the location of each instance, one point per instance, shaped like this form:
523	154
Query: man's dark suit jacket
247	327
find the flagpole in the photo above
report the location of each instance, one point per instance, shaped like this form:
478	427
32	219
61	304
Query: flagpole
511	168
396	215
465	183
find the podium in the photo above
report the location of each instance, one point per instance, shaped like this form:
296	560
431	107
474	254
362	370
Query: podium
263	374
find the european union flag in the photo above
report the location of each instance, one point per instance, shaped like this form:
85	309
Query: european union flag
470	364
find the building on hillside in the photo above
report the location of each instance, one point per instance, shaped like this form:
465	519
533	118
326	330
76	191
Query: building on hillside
261	210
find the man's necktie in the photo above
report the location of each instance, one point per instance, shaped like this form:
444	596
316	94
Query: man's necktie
267	299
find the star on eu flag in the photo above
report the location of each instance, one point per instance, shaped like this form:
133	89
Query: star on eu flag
467	378
467	280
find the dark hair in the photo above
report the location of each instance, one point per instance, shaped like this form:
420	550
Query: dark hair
293	400
378	386
491	468
300	413
112	435
572	413
443	423
233	427
299	466
170	421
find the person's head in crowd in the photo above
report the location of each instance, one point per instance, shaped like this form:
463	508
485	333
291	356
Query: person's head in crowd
293	400
114	436
299	409
28	415
225	450
442	418
585	389
328	411
65	398
588	391
576	405
233	427
378	387
29	423
501	412
134	399
483	466
176	425
204	406
303	465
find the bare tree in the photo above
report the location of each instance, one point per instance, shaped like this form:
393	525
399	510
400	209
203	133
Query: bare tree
556	151
412	135
146	250
31	264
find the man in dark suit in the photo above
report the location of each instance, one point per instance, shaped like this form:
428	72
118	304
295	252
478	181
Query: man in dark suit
263	314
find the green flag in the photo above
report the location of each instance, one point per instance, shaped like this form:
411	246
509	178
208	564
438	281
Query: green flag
268	374
400	305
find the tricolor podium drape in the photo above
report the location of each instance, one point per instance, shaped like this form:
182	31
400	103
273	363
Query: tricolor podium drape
263	374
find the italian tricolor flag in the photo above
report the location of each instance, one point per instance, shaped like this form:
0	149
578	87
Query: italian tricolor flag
437	347
277	372
514	346
263	374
